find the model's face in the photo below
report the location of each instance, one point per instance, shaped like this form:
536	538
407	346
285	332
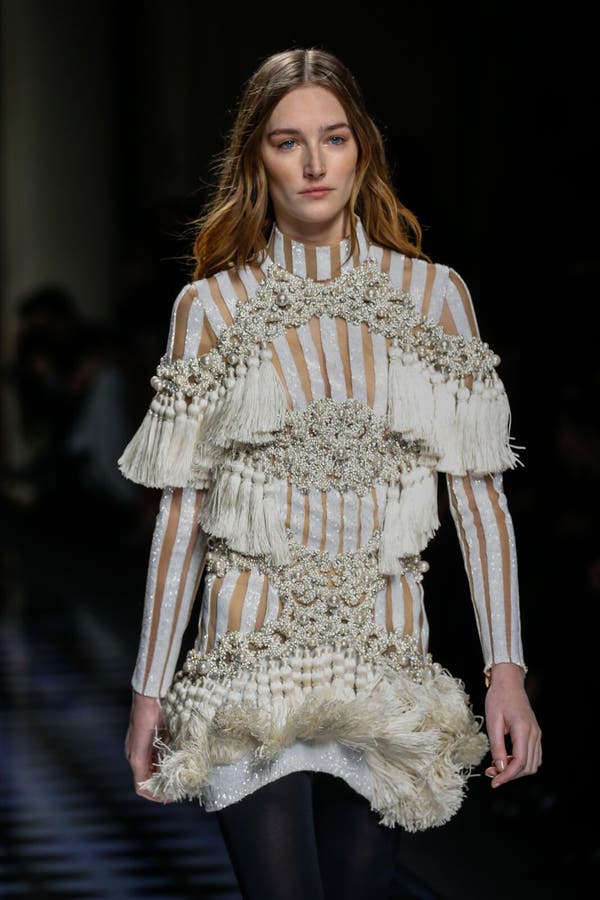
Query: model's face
310	155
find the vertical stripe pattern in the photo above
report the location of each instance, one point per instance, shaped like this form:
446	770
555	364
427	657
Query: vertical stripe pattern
327	357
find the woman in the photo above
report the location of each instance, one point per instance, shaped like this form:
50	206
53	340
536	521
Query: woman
320	372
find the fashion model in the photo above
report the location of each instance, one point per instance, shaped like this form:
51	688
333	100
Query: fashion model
321	373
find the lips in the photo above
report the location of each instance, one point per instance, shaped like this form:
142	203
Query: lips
316	192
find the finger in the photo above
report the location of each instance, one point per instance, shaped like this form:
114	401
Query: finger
148	795
512	769
535	756
498	750
498	766
526	749
141	775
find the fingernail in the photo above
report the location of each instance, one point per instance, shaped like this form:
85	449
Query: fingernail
500	765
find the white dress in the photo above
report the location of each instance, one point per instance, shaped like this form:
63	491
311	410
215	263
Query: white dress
304	408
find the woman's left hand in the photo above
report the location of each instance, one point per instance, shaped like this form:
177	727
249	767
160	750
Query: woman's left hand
508	712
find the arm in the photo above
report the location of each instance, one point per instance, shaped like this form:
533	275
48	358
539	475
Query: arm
486	536
173	576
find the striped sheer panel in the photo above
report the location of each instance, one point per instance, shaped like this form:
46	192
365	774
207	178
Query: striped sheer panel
325	358
483	522
486	535
178	544
172	582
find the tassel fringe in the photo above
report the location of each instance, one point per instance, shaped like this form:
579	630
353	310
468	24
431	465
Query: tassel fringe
161	451
468	429
252	406
240	508
248	408
389	549
411	518
410	396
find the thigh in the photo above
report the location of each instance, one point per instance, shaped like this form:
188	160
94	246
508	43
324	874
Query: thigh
271	841
356	853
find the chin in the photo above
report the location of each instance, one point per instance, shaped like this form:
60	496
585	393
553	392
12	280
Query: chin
321	213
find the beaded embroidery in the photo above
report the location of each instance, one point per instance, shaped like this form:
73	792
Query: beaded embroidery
325	600
331	445
363	294
232	397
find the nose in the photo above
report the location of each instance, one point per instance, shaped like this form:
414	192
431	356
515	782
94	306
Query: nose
314	163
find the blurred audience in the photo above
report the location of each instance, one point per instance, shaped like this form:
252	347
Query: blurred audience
71	520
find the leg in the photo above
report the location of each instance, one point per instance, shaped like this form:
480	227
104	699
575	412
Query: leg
271	842
356	853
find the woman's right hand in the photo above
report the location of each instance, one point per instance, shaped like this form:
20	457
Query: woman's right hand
145	719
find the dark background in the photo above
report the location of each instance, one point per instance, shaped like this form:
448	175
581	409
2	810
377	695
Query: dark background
111	116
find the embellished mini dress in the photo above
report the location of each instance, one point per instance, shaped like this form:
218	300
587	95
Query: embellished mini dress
303	412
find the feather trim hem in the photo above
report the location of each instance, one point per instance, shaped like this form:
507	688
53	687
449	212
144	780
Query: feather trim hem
420	740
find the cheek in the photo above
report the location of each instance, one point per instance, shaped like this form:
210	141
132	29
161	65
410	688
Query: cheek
348	166
348	178
277	172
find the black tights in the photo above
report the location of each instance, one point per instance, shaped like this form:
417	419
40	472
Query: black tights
308	836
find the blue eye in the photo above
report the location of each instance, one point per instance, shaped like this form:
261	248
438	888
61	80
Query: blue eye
337	139
286	145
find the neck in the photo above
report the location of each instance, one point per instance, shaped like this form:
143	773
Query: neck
318	261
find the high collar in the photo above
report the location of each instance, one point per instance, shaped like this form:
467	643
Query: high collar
319	262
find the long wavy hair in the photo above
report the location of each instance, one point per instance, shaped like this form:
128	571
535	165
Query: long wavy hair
235	225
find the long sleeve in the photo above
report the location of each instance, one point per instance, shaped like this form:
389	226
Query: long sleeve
178	543
486	535
484	526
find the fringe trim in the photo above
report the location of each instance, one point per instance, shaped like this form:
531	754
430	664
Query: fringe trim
410	396
411	518
252	406
172	446
389	550
469	429
161	452
420	740
485	430
240	507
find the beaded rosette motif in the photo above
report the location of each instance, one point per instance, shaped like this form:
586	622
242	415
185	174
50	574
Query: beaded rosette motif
323	670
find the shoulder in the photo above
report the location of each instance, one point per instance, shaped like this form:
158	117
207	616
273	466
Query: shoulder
187	318
438	291
227	285
203	307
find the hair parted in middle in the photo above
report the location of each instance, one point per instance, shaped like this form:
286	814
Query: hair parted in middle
234	228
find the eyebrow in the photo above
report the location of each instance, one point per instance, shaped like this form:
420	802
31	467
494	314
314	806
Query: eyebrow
322	129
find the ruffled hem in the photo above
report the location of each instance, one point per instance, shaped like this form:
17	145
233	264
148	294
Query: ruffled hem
420	740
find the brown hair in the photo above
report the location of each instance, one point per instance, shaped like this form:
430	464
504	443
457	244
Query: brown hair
235	226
